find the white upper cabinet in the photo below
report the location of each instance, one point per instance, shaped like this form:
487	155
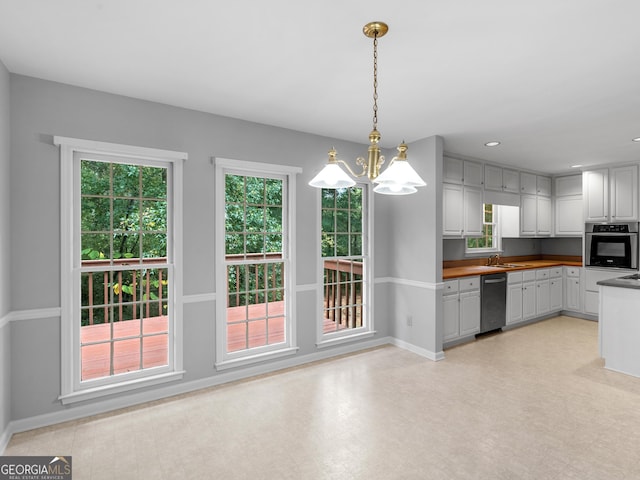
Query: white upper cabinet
611	194
473	211
624	193
595	186
462	172
473	174
462	210
568	206
452	170
528	184
453	209
543	185
492	177
511	180
569	185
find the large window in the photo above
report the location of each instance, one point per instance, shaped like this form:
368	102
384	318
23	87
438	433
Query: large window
344	243
120	315
254	288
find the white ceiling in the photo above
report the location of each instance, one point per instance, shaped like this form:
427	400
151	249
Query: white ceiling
556	81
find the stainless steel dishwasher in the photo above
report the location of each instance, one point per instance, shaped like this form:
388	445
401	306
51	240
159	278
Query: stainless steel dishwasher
493	294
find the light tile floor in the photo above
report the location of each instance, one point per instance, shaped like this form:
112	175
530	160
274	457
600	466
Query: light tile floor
530	403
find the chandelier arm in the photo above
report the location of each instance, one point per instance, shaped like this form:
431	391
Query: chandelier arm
360	161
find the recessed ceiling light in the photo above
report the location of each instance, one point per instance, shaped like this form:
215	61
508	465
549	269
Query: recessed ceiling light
637	139
576	166
492	144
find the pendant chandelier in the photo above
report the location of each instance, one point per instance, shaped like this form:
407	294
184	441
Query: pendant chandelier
399	178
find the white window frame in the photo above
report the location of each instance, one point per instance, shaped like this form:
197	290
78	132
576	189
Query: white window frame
497	238
72	388
368	328
224	359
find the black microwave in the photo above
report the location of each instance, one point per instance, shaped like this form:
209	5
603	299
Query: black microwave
612	245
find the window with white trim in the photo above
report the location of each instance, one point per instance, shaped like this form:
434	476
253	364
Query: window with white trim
121	305
489	241
345	263
254	282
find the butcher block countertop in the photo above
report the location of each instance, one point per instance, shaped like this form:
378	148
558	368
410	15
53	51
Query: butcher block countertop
468	268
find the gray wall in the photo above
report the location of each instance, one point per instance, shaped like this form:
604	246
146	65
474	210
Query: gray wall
415	229
42	109
5	254
453	249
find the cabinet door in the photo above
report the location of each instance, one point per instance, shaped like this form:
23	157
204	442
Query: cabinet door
510	180
542	297
595	186
569	185
473	174
528	300
555	294
528	214
572	294
569	215
473	211
452	170
453	209
528	183
451	312
514	303
624	194
469	313
543	185
492	178
543	216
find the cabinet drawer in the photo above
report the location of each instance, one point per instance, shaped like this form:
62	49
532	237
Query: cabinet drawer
469	283
514	277
542	274
573	271
555	272
528	275
450	286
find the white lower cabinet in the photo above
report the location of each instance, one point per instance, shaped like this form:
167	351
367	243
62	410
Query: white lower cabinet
533	293
573	289
461	307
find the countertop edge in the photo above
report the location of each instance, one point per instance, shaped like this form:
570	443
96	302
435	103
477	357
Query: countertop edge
471	271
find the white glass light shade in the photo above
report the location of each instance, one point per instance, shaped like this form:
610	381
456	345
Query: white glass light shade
332	176
394	189
400	172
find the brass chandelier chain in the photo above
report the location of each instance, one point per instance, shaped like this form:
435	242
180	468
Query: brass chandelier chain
375	81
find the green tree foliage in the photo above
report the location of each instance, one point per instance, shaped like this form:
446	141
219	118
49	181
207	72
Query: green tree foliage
342	222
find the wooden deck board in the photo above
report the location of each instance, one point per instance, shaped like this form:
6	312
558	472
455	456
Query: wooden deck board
126	353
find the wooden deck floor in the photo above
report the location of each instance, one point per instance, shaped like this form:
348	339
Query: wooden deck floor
127	353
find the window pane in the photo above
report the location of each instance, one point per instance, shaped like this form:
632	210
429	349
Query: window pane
126	214
95	178
274	191
95	246
154	215
126	180
154	182
255	190
95	214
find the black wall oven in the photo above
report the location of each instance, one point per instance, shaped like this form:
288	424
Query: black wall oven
611	245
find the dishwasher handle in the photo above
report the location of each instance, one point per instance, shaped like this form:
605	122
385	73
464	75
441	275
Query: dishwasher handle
496	280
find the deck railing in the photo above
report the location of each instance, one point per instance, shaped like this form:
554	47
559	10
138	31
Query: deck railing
343	288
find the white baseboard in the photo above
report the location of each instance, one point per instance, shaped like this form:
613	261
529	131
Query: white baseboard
434	356
5	437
